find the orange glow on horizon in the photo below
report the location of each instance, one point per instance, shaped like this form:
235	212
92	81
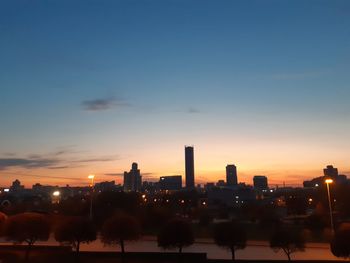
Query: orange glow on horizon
275	177
287	163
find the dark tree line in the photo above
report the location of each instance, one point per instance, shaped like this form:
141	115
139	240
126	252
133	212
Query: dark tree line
176	233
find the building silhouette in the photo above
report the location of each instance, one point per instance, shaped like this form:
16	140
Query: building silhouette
231	175
260	182
221	183
189	167
330	171
105	186
132	179
173	182
16	186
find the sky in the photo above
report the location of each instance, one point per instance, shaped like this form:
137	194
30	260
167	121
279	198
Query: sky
92	86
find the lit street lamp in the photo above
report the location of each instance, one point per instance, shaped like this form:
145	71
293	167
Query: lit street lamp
56	197
91	177
329	181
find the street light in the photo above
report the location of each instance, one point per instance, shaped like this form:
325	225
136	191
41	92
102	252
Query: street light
329	181
56	197
91	177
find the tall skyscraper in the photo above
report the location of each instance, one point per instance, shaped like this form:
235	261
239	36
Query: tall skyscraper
189	167
132	179
231	175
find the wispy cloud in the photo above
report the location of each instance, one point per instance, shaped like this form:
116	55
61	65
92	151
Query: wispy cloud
148	174
31	162
114	174
145	175
61	152
34	161
9	154
299	75
43	176
103	104
60	167
94	160
192	110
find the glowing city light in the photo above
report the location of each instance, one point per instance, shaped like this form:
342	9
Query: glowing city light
329	181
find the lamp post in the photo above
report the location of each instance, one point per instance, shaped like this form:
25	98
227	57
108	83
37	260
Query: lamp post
91	177
329	181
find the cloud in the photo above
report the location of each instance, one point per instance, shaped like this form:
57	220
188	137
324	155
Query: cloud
94	160
44	176
50	162
103	104
192	110
144	175
62	151
147	174
60	167
31	162
9	154
114	174
299	75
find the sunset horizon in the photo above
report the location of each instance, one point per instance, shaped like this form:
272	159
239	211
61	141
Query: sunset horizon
177	131
56	170
93	89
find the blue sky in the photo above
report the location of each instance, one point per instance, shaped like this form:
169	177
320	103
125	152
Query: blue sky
130	80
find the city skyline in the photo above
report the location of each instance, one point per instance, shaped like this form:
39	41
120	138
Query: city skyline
89	88
129	180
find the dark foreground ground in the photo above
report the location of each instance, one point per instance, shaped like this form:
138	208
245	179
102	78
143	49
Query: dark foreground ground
58	254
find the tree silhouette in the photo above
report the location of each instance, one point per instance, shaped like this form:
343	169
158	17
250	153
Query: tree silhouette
340	244
289	240
120	228
3	218
230	235
177	233
27	228
74	231
205	218
107	203
316	223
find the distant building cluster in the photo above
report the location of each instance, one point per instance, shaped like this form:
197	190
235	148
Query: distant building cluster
329	172
230	192
133	179
170	183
